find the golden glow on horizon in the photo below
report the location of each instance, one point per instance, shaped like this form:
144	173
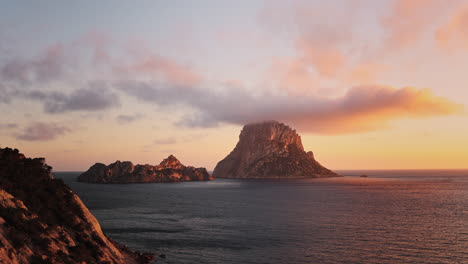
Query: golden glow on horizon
420	146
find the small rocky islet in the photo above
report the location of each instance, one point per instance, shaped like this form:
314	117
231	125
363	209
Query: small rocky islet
169	170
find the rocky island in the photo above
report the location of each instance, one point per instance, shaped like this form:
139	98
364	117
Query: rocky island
270	150
43	221
169	170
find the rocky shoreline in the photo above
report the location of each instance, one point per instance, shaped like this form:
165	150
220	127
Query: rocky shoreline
43	221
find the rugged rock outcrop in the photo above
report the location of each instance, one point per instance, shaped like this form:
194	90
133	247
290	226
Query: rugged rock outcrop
169	170
270	150
43	221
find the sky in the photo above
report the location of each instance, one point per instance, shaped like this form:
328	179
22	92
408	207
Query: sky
367	84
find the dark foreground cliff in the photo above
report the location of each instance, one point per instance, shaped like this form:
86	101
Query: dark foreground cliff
43	221
169	170
270	150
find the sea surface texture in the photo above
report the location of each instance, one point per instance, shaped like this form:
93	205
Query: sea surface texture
388	217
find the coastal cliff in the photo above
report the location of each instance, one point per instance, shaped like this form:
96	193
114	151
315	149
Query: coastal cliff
169	170
270	150
43	221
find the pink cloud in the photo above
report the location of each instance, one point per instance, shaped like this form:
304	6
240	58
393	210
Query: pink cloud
454	33
293	76
409	20
159	68
327	61
319	33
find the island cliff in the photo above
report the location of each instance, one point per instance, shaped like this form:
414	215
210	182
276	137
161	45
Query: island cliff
43	221
270	150
169	170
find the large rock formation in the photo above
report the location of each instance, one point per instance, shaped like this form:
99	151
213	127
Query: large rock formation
270	150
43	221
169	170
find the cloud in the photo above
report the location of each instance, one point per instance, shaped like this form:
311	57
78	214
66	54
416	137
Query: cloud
329	46
8	126
317	40
173	140
126	119
160	68
369	108
165	141
454	33
40	131
181	139
38	76
325	56
409	20
366	72
97	96
323	52
348	43
293	76
47	66
5	94
78	68
362	108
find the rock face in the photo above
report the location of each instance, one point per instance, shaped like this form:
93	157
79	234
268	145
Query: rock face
43	221
169	170
270	150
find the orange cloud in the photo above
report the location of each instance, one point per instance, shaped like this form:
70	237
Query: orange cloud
366	72
367	108
454	33
327	61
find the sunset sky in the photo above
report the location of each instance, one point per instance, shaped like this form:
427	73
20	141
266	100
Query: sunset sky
367	84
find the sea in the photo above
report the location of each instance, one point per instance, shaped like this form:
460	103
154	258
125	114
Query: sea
406	216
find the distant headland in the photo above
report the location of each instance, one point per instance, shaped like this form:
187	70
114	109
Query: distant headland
270	149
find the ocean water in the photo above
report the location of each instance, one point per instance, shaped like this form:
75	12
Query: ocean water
389	217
